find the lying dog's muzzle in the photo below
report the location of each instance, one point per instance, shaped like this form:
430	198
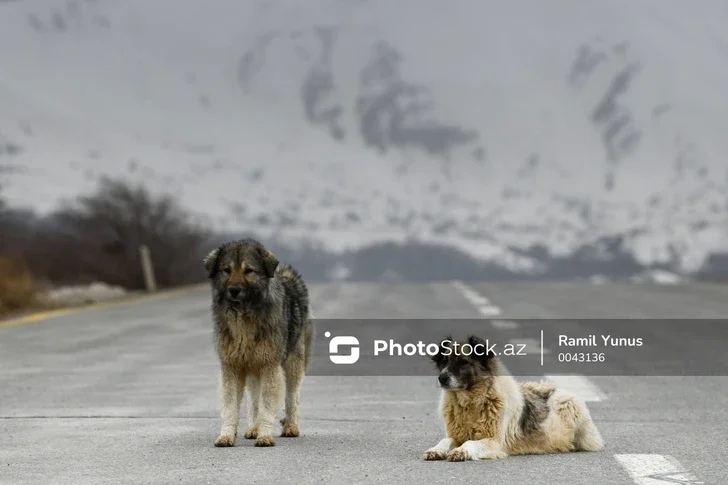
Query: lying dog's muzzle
443	379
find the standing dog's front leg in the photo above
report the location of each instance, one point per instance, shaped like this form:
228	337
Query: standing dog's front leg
233	386
440	450
270	396
485	449
253	385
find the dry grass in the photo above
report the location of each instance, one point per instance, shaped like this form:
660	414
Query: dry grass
17	288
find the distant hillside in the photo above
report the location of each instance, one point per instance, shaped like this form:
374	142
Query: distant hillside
581	138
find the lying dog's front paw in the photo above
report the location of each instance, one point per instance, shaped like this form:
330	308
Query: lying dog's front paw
251	433
225	440
434	454
458	454
494	455
482	450
265	441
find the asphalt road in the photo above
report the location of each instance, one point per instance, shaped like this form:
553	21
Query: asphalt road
128	394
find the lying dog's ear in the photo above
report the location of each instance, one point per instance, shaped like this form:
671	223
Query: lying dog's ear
481	353
210	262
270	262
445	350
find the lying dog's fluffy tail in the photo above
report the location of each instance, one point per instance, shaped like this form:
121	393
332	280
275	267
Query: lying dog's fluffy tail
571	409
587	436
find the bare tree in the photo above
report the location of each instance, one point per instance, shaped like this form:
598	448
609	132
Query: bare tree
100	235
5	168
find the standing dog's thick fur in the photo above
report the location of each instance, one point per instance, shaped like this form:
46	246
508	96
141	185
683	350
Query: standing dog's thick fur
489	415
263	336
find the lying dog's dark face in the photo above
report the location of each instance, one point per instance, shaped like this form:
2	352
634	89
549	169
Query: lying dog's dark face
461	366
240	272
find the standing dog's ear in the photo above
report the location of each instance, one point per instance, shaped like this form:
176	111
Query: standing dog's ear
440	358
210	262
270	262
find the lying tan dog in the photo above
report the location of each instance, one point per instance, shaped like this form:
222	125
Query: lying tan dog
489	415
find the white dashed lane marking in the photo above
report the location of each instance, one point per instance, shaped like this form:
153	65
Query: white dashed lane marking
489	310
580	386
655	469
505	324
481	303
532	346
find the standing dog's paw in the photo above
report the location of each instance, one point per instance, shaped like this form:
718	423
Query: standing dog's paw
225	440
265	441
458	454
433	455
290	430
251	433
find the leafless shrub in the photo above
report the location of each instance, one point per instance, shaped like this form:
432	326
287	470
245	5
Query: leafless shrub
98	237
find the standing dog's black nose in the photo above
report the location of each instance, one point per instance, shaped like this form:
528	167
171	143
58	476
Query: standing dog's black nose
442	378
234	292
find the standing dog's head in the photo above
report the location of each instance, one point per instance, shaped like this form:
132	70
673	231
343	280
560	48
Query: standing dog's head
240	272
464	364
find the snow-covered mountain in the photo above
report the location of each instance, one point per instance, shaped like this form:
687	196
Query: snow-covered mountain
516	131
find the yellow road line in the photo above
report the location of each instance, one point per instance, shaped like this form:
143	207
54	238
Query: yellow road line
48	314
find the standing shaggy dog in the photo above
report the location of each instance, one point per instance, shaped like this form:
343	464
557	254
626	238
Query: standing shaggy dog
263	332
488	415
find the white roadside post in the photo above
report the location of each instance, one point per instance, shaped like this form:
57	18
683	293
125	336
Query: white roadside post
147	268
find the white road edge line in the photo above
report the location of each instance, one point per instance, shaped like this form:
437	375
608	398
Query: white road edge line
655	469
580	386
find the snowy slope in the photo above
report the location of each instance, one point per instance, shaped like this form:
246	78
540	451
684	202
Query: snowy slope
493	127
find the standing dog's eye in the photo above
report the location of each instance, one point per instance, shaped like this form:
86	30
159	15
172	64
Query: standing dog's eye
248	271
227	271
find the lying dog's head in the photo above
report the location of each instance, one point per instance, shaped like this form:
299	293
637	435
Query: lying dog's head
240	272
464	364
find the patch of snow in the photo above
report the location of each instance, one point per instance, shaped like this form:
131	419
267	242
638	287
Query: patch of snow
85	294
339	273
657	276
598	280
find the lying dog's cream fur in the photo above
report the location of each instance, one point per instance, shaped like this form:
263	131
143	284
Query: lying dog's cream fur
489	415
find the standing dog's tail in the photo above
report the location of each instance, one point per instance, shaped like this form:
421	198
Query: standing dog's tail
310	332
